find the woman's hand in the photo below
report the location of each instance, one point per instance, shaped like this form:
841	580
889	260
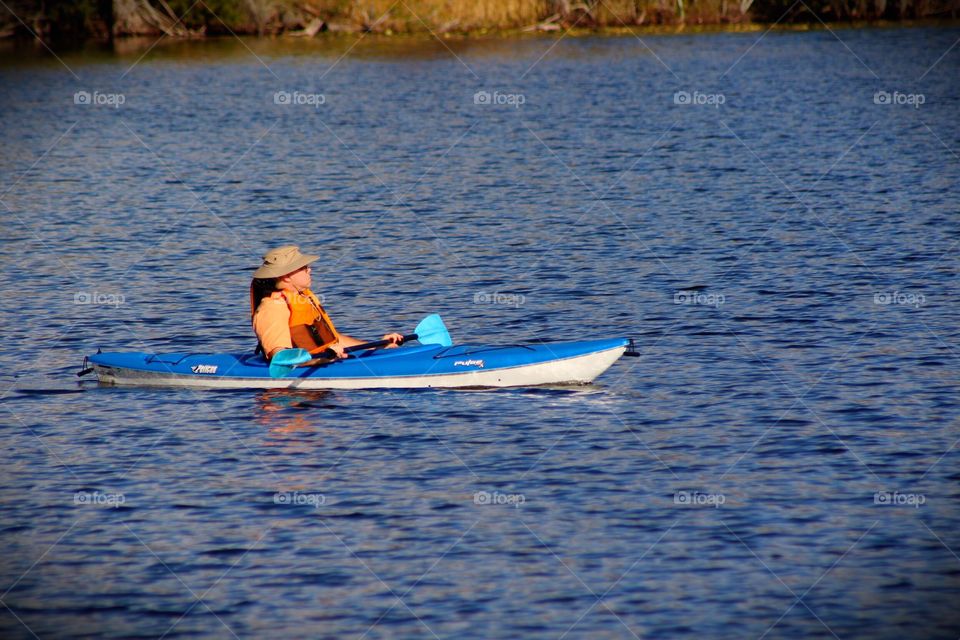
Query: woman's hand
397	338
338	350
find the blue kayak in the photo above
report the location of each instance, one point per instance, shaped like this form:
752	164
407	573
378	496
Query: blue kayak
414	366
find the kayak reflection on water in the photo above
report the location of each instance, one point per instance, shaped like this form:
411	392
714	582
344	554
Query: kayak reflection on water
284	411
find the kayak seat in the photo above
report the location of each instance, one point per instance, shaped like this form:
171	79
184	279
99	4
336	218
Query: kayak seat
253	360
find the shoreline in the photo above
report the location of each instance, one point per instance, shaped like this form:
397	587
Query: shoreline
74	23
130	44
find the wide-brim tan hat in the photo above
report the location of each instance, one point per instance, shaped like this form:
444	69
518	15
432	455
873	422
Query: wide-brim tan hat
281	261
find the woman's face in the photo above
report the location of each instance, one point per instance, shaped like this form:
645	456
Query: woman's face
299	278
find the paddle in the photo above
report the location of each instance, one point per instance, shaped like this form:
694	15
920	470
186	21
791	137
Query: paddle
283	361
430	330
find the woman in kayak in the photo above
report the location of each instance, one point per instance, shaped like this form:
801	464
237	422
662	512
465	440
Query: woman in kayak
286	314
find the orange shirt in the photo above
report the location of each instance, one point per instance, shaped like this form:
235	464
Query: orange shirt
271	322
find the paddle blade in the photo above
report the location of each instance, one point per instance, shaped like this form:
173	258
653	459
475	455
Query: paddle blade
431	330
283	362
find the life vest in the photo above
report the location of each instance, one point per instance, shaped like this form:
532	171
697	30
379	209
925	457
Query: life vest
310	326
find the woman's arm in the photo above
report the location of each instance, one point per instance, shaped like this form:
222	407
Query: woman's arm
272	326
348	341
345	341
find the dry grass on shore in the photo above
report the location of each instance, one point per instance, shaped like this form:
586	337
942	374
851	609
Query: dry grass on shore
191	18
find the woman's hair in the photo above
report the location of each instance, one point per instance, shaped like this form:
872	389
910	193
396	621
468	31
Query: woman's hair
261	288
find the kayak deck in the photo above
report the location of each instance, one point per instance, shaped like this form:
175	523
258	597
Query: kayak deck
419	366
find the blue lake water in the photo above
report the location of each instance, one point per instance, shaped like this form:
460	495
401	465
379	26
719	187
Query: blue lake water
774	218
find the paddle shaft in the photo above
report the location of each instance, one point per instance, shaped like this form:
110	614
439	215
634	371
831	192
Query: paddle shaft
369	345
